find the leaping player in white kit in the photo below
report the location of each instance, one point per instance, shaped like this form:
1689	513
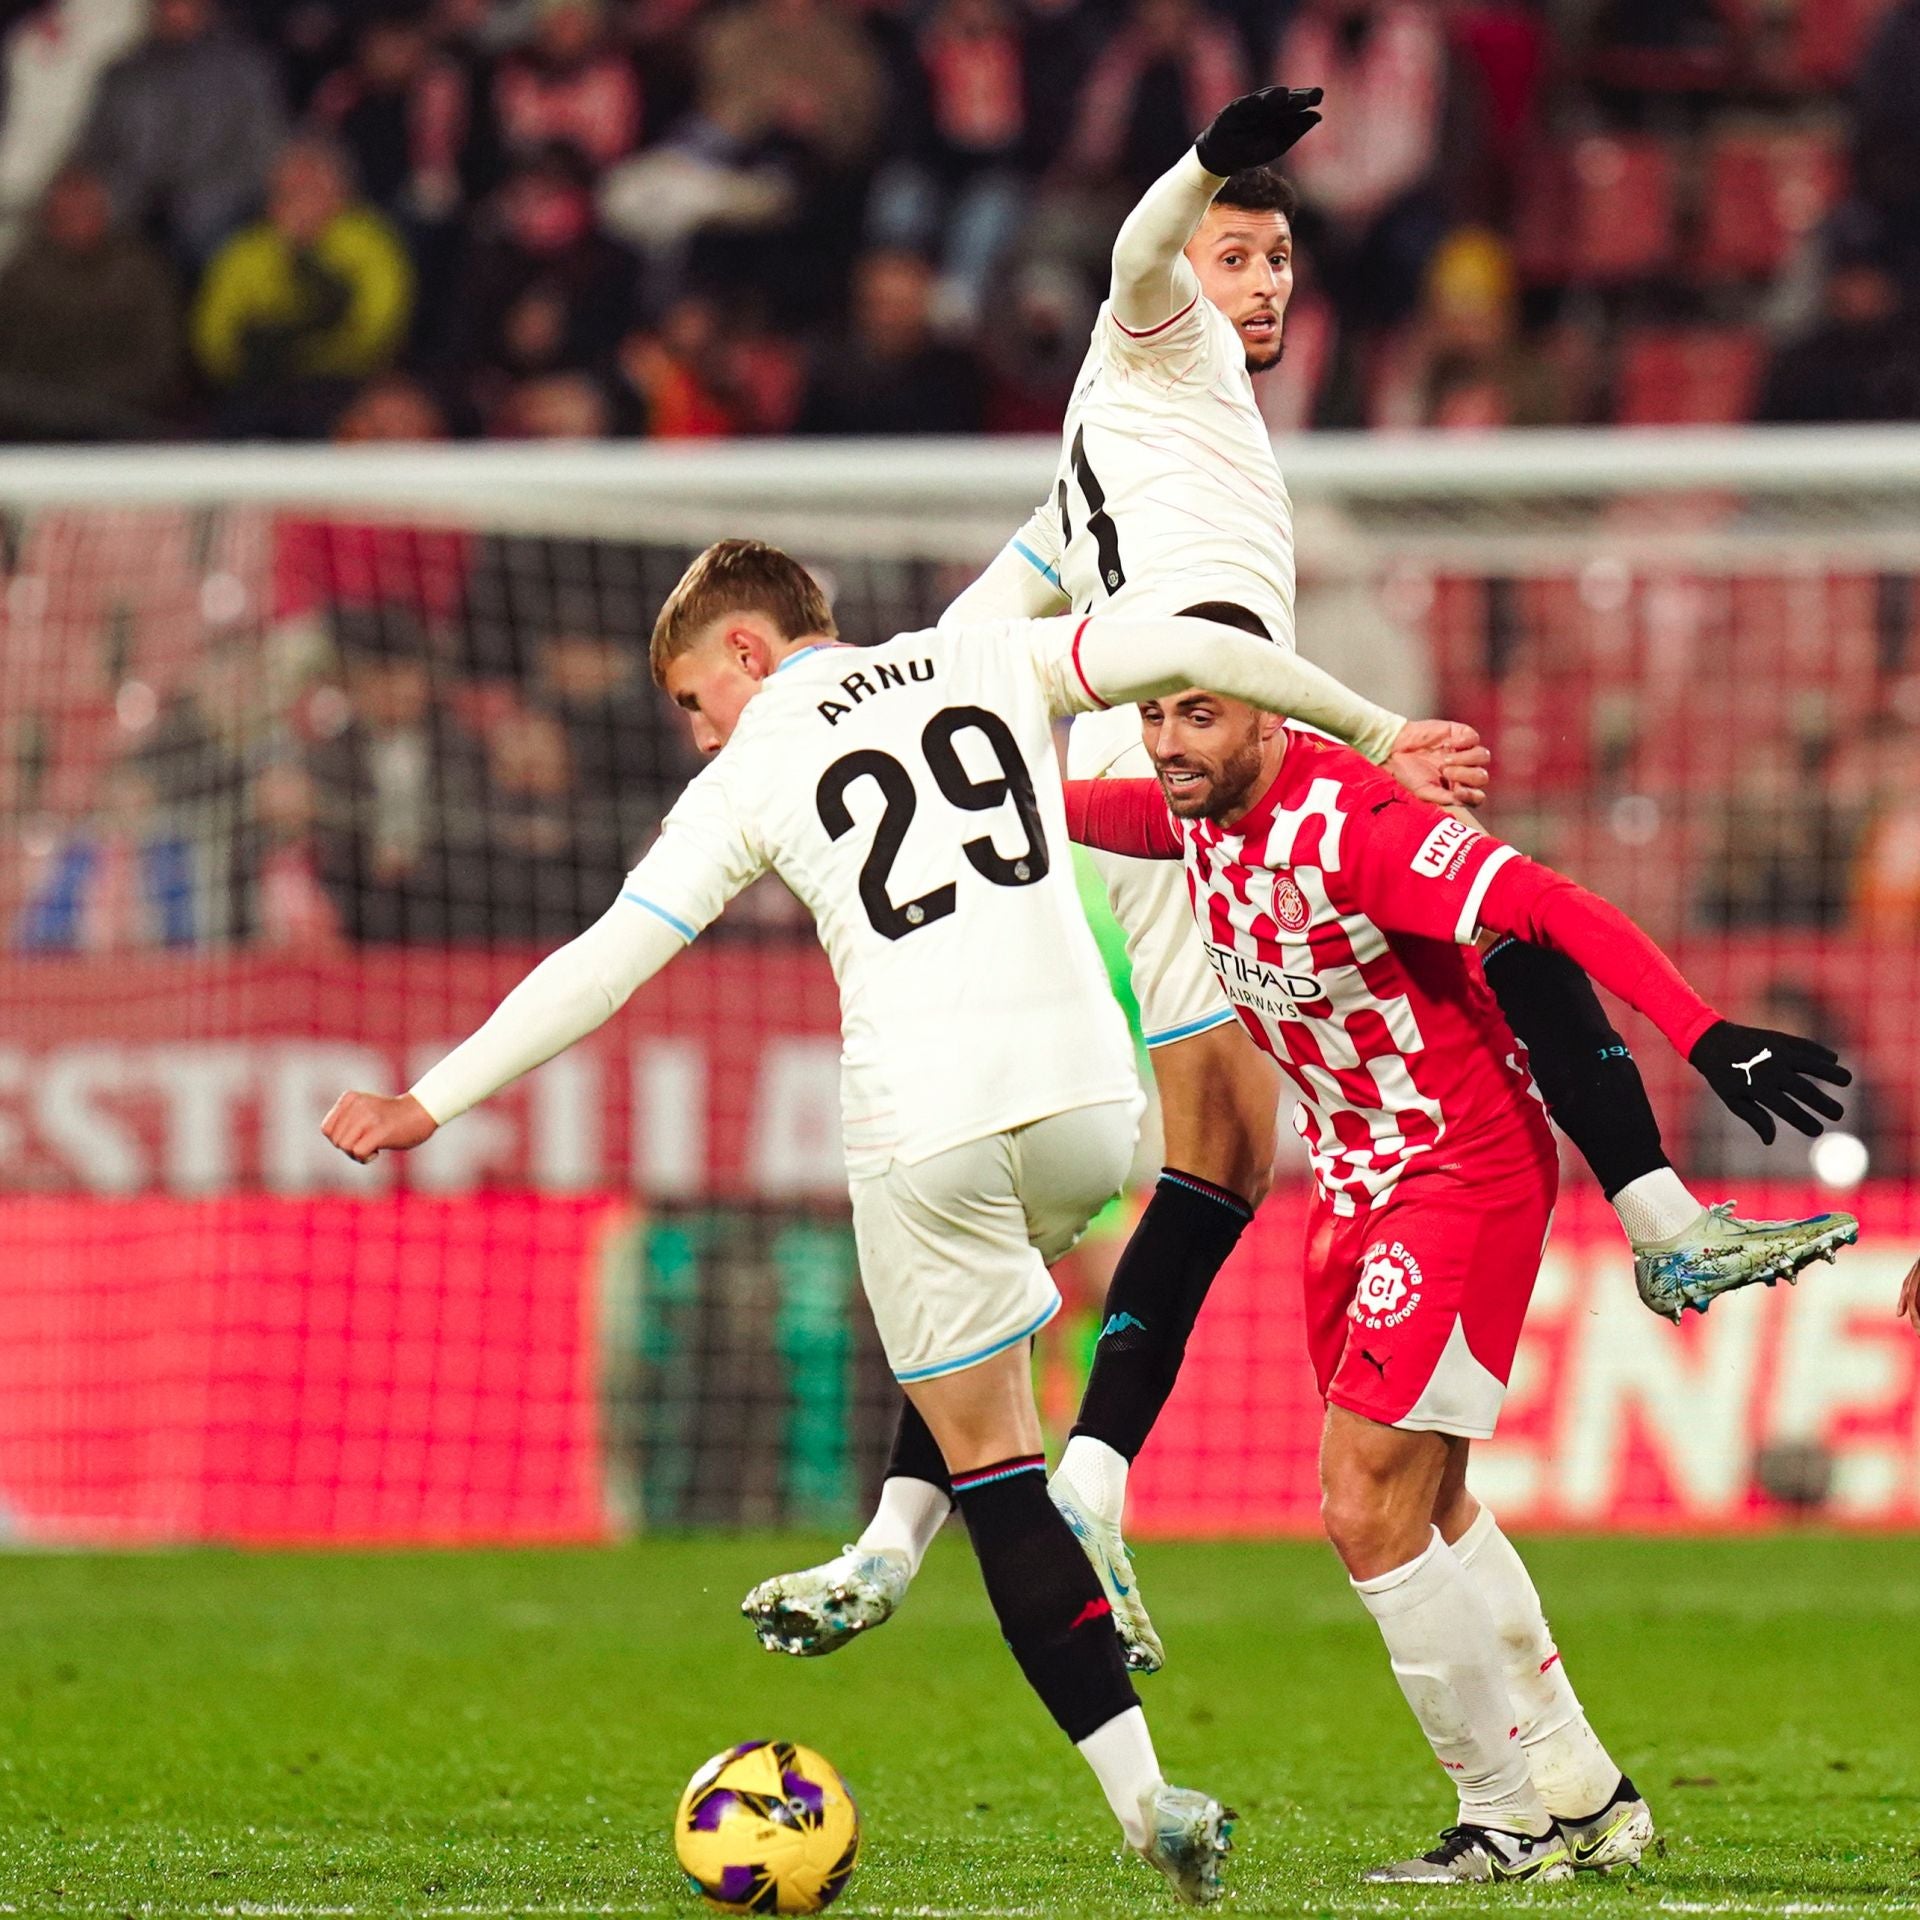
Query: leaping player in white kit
909	794
1168	498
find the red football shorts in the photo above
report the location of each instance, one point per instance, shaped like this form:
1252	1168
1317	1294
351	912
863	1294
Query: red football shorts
1414	1308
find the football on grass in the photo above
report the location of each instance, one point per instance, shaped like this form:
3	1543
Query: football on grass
767	1827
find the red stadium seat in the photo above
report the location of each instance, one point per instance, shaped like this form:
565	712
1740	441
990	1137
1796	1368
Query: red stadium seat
1680	376
1763	192
1829	38
1621	216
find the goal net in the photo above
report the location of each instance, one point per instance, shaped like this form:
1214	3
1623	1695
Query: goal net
305	756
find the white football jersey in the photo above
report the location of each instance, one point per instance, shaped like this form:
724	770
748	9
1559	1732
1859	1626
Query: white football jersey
1167	492
909	794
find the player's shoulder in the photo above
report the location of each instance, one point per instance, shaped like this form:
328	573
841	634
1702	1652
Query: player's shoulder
1315	756
1189	344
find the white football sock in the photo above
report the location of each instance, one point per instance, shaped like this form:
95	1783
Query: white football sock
1574	1772
1097	1473
1447	1660
910	1513
1122	1758
1656	1206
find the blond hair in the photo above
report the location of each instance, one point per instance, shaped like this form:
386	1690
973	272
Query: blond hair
739	576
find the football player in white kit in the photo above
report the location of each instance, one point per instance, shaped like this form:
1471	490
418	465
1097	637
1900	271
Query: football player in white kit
909	794
1167	499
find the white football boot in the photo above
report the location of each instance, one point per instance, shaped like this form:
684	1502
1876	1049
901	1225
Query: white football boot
1100	1541
821	1608
1720	1252
1616	1836
1483	1853
1192	1834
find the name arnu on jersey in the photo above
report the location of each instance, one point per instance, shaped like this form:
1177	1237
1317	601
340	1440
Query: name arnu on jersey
869	683
1270	990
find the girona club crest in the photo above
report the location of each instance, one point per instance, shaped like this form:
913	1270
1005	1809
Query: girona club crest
1290	906
1389	1289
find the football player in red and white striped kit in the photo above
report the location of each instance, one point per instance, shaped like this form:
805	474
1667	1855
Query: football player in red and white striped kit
1340	915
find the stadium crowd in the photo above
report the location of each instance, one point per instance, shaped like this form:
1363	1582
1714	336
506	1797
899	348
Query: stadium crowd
566	218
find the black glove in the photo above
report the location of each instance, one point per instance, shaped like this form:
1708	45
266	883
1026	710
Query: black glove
1257	128
1759	1073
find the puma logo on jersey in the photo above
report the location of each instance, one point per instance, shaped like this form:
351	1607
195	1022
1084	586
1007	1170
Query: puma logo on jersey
1759	1059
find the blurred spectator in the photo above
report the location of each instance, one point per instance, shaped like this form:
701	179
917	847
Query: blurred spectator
1160	79
124	879
1034	349
288	905
400	789
184	129
559	406
89	325
403	111
311	298
1063	39
1886	136
678	376
1370	207
545	291
570	86
1781	848
1465	362
889	374
556	862
391	407
51	59
797	73
955	191
1861	361
1505	46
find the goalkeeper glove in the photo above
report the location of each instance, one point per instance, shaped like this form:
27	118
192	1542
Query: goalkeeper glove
1759	1073
1257	128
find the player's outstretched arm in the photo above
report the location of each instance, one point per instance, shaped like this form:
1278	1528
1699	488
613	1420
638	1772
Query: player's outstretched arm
1910	1297
1122	816
1758	1074
571	992
1023	580
1114	660
1152	281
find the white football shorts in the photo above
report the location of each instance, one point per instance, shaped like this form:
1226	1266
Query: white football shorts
954	1249
1172	981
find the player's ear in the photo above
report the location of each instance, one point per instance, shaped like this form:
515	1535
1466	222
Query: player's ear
749	650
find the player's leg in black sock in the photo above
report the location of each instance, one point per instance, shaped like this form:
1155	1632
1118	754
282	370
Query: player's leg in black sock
916	1454
1581	1065
1183	1240
1045	1595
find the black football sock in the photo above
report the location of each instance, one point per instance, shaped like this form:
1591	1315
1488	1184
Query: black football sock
916	1454
1045	1595
1584	1070
1182	1241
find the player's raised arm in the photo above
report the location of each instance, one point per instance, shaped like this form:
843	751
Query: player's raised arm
1102	662
700	861
1023	580
1152	280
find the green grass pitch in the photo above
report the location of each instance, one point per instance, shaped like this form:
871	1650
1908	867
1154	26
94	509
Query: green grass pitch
505	1734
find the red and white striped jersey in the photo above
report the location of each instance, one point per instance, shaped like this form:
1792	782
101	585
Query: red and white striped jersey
1338	916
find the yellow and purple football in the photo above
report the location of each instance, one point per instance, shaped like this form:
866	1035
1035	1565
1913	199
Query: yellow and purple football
767	1827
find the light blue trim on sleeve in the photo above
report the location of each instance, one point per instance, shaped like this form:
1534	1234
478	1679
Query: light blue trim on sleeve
1205	1024
1033	560
660	913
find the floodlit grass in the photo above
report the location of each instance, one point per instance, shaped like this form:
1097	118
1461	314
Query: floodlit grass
503	1734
